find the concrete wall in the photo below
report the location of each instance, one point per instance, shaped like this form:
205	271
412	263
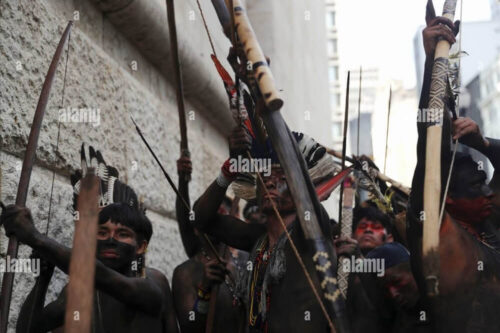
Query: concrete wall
100	76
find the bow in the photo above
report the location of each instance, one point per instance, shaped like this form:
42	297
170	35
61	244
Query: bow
29	159
293	164
174	50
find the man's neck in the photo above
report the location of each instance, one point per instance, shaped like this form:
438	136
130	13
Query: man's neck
275	228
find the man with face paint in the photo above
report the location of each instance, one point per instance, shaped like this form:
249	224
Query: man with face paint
468	249
468	133
194	280
129	297
365	305
275	291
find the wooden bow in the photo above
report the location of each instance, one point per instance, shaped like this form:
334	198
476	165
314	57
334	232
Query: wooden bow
28	162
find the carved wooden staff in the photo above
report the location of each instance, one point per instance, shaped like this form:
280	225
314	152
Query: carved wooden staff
432	182
346	231
29	159
80	295
346	192
292	162
174	51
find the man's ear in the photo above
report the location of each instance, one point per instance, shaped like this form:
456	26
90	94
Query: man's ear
142	247
430	12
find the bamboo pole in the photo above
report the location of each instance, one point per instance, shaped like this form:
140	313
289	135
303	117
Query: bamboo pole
253	51
432	181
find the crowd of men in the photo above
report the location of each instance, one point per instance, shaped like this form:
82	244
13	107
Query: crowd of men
255	283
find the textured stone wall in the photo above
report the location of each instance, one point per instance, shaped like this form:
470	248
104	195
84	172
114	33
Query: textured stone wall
98	77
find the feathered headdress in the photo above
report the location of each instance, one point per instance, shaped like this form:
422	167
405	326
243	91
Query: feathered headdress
112	189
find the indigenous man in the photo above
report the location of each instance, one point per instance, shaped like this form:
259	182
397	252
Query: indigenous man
469	252
399	286
129	297
365	306
276	292
468	133
194	280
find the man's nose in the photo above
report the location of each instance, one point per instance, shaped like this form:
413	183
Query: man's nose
488	192
270	183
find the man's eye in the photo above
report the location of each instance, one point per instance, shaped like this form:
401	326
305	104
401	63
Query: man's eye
377	226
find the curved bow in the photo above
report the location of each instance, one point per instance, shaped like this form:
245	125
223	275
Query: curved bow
29	159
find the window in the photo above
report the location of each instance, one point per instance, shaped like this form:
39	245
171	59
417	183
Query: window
336	130
333	74
330	20
333	101
332	47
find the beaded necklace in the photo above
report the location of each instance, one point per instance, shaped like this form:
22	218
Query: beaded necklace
260	266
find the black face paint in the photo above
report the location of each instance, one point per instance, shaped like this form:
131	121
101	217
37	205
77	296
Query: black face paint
115	255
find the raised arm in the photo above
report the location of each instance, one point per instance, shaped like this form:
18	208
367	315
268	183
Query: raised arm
437	28
190	241
142	294
225	228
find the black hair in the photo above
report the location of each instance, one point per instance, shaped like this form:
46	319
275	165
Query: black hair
461	160
130	217
373	214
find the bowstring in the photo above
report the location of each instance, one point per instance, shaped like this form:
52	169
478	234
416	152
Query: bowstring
457	107
278	215
58	133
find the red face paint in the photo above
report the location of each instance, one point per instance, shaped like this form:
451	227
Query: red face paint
370	234
471	211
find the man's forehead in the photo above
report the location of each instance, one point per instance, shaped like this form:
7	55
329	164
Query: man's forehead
367	220
114	225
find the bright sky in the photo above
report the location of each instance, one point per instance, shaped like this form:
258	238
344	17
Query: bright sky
380	33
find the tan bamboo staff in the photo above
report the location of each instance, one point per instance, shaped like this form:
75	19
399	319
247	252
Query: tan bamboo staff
377	173
432	181
254	53
80	296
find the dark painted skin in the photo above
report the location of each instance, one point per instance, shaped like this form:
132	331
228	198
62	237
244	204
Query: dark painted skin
199	270
292	300
467	205
127	303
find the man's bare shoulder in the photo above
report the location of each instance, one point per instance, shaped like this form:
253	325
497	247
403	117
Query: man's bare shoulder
157	277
